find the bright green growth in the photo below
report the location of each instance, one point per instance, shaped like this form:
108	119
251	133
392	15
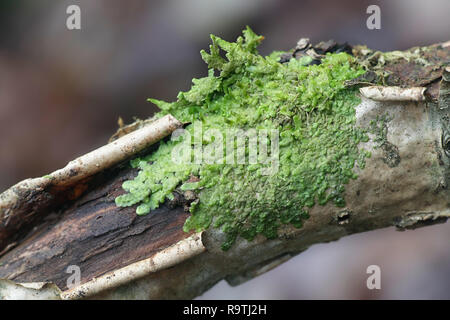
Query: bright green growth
314	114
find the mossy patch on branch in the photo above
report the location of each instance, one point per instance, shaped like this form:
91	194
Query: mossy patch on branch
310	107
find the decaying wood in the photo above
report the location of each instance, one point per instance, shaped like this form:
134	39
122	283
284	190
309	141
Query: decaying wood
122	255
95	235
30	200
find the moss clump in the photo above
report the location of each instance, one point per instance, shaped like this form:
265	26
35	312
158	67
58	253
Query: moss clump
318	141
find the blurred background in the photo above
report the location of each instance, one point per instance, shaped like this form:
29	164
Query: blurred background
62	91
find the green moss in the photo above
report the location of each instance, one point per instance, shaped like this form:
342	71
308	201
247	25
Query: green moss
318	141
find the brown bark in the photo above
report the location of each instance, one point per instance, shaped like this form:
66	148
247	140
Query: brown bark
94	234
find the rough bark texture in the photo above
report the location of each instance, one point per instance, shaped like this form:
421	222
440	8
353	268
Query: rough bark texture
94	234
28	202
405	184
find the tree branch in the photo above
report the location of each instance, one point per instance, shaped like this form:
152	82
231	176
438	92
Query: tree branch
121	255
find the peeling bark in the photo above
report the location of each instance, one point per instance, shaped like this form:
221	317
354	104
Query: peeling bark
25	203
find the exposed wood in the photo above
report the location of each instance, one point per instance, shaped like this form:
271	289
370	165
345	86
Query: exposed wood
29	201
94	234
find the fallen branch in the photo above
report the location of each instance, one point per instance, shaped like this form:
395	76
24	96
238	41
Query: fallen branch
50	223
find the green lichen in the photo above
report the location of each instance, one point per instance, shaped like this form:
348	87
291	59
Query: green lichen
310	107
378	127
